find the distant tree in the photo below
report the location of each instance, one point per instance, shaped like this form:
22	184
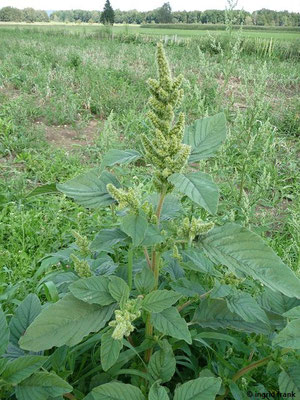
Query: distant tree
108	14
95	17
29	14
164	14
41	16
248	20
11	14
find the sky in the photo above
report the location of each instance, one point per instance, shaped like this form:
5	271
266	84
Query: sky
145	5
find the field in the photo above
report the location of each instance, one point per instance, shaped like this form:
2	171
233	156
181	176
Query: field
68	94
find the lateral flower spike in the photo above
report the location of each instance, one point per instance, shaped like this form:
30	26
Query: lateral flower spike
122	323
82	243
125	199
163	147
81	267
191	229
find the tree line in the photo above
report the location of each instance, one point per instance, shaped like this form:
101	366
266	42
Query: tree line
12	14
163	14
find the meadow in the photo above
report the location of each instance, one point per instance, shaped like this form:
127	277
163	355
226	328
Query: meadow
68	94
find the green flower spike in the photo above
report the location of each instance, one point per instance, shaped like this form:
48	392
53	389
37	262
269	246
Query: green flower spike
125	199
124	318
164	149
81	267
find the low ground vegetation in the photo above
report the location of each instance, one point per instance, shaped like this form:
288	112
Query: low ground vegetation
66	101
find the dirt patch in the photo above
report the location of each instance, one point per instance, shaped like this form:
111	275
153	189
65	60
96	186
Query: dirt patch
9	92
68	137
233	90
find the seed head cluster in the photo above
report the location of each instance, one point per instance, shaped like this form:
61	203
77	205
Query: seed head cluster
81	267
192	228
163	147
125	198
82	243
124	318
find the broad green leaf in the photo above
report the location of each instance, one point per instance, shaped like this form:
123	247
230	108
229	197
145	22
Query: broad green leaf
144	280
221	290
293	313
200	389
289	336
41	386
171	323
136	227
196	260
66	322
162	363
107	238
89	189
215	314
21	368
117	391
4	333
159	300
273	367
158	392
223	337
89	397
171	206
152	236
119	289
206	373
289	380
13	352
236	392
3	363
246	307
52	259
59	358
104	265
187	287
242	250
277	302
199	187
110	350
115	156
172	267
205	136
50	188
93	290
24	315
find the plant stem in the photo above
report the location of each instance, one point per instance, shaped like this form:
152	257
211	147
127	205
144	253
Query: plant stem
156	270
69	396
113	212
242	183
248	138
187	303
160	203
148	334
155	260
147	257
249	368
130	266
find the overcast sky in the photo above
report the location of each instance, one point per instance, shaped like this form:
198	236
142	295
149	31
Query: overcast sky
145	5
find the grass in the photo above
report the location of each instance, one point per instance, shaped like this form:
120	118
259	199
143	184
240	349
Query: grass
260	32
67	98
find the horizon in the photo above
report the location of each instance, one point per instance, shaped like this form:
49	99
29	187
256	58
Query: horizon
149	5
